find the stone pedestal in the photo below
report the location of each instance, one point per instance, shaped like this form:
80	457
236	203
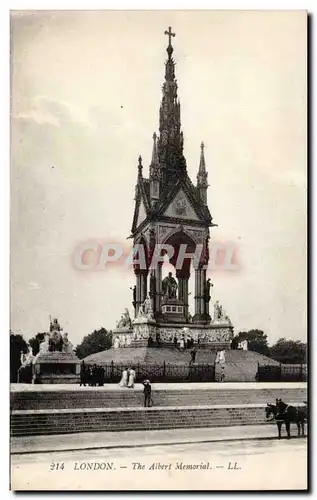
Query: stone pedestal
122	337
148	332
144	332
214	337
56	368
173	311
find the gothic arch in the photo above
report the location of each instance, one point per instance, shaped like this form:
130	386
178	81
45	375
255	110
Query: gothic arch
176	239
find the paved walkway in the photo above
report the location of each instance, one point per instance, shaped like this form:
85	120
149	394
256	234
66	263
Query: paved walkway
131	439
169	387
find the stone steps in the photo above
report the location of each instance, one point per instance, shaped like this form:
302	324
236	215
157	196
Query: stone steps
61	422
100	398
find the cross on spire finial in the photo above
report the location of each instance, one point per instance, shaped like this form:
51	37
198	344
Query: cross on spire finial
169	34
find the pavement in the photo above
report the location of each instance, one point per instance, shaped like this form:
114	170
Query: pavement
244	464
165	386
137	439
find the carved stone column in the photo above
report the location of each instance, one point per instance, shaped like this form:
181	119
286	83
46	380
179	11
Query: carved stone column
153	290
202	291
158	298
200	277
138	292
183	289
143	286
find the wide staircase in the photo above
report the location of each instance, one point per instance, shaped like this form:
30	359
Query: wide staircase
42	411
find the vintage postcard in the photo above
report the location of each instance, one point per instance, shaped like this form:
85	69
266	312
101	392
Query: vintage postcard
158	336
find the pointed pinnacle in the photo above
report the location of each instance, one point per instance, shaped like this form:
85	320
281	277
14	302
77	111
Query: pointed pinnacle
140	166
202	165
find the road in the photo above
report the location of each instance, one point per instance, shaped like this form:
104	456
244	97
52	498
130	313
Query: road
254	464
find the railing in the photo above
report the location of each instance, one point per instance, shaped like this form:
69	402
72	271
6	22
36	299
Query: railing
163	372
282	373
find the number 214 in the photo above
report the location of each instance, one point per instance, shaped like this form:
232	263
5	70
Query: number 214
57	466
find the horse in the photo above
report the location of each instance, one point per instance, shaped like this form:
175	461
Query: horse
287	414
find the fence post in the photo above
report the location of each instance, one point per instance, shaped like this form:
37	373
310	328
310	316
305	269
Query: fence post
111	371
138	369
164	369
280	372
301	372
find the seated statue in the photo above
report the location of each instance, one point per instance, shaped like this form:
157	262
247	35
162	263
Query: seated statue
145	309
125	321
169	286
55	326
55	341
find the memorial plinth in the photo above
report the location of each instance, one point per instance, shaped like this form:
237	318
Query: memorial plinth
56	362
56	368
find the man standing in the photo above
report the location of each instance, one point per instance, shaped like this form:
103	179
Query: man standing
83	372
193	353
147	390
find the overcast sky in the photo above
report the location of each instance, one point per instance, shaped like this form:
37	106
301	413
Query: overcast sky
86	90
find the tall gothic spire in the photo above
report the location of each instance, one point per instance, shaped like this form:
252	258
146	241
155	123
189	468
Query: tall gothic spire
170	143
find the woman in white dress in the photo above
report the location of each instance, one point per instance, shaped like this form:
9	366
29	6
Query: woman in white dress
124	379
182	343
131	375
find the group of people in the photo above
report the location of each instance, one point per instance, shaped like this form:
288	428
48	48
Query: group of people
92	375
127	378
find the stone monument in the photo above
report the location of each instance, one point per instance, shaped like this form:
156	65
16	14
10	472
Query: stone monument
171	211
56	362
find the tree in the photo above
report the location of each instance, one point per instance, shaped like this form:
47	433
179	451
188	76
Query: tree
35	342
257	341
17	345
289	351
97	341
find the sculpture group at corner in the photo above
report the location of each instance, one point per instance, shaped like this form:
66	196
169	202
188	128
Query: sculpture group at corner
56	340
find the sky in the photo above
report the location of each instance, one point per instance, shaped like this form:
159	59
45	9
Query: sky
85	97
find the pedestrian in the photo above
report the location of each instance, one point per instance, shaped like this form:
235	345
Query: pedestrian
193	353
83	371
131	377
182	343
124	379
89	376
94	375
222	372
147	391
101	376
